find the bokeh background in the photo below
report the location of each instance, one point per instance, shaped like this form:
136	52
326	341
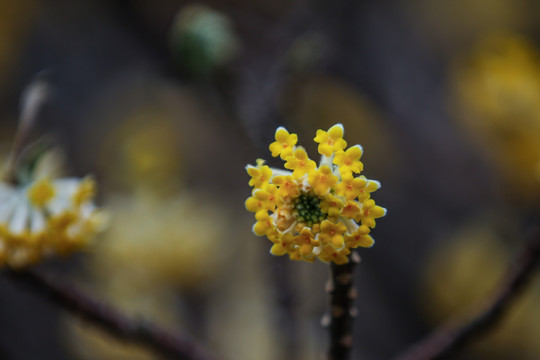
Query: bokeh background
166	101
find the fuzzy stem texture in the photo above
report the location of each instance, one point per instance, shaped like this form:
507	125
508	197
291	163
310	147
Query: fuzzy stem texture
342	310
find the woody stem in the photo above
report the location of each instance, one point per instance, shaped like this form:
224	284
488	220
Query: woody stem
342	311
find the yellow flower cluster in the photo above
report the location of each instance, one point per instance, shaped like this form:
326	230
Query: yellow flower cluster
44	218
313	212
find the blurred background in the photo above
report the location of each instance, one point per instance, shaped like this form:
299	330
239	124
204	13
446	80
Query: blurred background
166	101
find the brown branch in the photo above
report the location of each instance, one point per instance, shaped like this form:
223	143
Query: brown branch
454	334
342	310
108	318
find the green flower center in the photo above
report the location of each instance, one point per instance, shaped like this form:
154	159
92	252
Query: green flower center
307	209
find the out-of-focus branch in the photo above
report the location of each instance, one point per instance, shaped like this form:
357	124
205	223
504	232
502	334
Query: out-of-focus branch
452	335
109	319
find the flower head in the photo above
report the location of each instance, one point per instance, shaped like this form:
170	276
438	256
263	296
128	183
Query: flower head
312	211
46	217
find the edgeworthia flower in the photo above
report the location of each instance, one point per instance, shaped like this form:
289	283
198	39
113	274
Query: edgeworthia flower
46	217
310	211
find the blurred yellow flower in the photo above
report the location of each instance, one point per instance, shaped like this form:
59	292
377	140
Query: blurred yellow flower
314	212
169	239
498	92
46	217
144	151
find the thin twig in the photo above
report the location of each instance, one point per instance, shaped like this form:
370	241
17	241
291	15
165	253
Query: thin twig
108	318
452	335
342	310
